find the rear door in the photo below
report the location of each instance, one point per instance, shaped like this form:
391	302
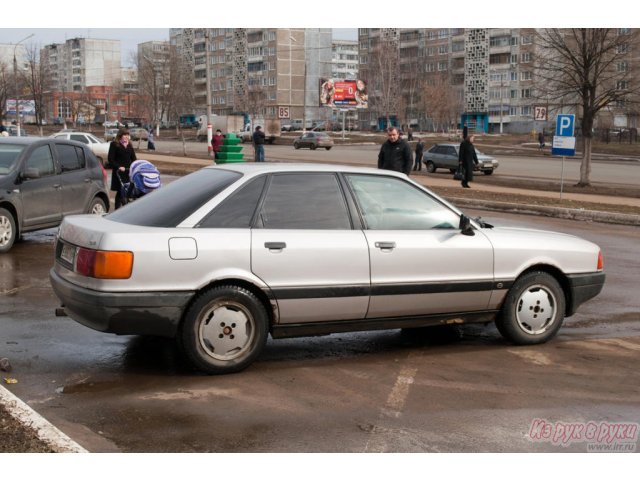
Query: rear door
77	187
42	196
305	248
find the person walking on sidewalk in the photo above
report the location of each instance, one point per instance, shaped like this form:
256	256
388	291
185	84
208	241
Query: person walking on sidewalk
121	155
467	160
216	143
418	160
258	144
395	154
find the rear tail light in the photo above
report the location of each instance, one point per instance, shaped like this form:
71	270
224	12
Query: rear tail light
600	261
104	264
105	176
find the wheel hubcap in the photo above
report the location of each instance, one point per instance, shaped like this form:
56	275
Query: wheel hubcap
536	310
98	209
226	330
5	231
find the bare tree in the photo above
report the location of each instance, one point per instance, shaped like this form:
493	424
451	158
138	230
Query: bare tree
585	67
441	101
383	76
4	89
38	83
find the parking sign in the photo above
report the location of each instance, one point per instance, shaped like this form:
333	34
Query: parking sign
565	125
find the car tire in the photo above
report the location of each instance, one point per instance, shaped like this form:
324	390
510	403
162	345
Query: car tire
313	146
328	148
224	330
296	146
97	207
487	172
7	230
533	310
431	167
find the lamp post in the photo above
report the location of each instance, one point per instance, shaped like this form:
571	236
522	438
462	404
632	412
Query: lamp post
15	75
208	87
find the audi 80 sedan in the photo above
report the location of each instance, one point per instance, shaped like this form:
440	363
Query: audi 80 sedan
241	251
44	179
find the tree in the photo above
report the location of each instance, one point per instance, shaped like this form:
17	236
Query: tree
585	68
441	101
383	75
4	89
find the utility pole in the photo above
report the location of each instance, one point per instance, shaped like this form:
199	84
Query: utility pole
208	87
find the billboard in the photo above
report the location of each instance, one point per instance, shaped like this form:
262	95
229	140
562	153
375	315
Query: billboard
27	107
343	93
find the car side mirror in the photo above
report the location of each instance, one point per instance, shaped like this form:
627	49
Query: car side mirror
465	226
30	173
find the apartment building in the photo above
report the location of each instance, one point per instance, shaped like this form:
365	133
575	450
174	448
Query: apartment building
344	59
256	70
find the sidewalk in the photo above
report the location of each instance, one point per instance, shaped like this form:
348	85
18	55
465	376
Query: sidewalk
431	181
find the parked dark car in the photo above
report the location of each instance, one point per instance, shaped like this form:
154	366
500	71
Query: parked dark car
313	140
445	155
44	179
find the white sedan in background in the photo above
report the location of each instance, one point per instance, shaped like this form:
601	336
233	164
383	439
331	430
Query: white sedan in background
99	148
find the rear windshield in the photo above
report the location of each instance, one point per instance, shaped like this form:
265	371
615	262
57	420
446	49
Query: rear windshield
171	204
8	155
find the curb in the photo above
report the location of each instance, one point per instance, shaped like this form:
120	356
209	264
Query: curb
49	434
557	212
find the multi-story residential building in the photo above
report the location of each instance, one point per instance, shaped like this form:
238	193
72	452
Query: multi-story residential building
256	71
344	59
82	62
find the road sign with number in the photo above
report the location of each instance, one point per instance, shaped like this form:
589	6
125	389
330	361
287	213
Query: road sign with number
540	113
283	112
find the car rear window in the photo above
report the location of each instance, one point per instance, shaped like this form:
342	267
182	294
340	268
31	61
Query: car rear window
172	203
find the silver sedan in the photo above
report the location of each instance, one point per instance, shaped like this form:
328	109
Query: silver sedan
229	254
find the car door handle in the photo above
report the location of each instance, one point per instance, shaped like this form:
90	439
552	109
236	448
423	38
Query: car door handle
275	245
386	245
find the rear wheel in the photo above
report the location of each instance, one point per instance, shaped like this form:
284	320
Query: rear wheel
488	172
328	148
313	146
224	330
7	230
97	207
431	167
533	310
296	146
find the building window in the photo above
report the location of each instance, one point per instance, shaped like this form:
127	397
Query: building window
513	76
442	66
525	76
527	39
526	93
623	66
526	57
622	85
513	59
443	49
526	110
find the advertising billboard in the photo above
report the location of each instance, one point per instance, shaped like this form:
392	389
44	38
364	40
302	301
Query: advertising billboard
27	107
343	93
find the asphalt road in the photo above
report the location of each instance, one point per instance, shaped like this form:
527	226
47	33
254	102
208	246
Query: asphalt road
455	390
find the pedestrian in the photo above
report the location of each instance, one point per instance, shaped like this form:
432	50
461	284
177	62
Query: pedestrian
121	155
467	160
418	155
395	154
3	130
150	144
409	134
258	144
216	143
541	140
465	132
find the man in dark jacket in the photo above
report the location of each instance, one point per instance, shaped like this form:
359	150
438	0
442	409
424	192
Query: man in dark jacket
468	160
395	154
258	143
418	160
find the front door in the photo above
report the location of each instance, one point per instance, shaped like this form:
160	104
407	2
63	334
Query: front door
42	196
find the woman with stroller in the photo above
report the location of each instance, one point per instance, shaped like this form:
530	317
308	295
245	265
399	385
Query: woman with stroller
121	155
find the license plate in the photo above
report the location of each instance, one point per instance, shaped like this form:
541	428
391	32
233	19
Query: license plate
68	253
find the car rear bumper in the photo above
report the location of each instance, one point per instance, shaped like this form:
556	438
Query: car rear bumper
139	313
583	287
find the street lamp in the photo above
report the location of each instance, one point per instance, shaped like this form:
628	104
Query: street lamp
15	76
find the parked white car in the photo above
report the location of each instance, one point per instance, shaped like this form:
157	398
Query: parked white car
99	148
225	256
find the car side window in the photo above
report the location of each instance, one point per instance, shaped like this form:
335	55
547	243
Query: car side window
237	210
389	203
451	151
79	138
441	150
304	201
42	160
70	157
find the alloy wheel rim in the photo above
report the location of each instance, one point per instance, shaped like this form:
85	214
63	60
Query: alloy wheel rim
536	310
226	330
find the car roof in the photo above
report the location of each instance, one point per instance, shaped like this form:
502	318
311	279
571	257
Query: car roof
260	167
23	140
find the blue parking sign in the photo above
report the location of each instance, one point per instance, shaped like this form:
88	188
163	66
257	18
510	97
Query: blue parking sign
565	125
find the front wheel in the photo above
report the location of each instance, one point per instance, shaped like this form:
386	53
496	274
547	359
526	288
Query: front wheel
296	146
488	172
313	146
224	330
7	230
328	148
533	311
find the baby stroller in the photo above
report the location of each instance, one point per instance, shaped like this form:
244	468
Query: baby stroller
144	178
